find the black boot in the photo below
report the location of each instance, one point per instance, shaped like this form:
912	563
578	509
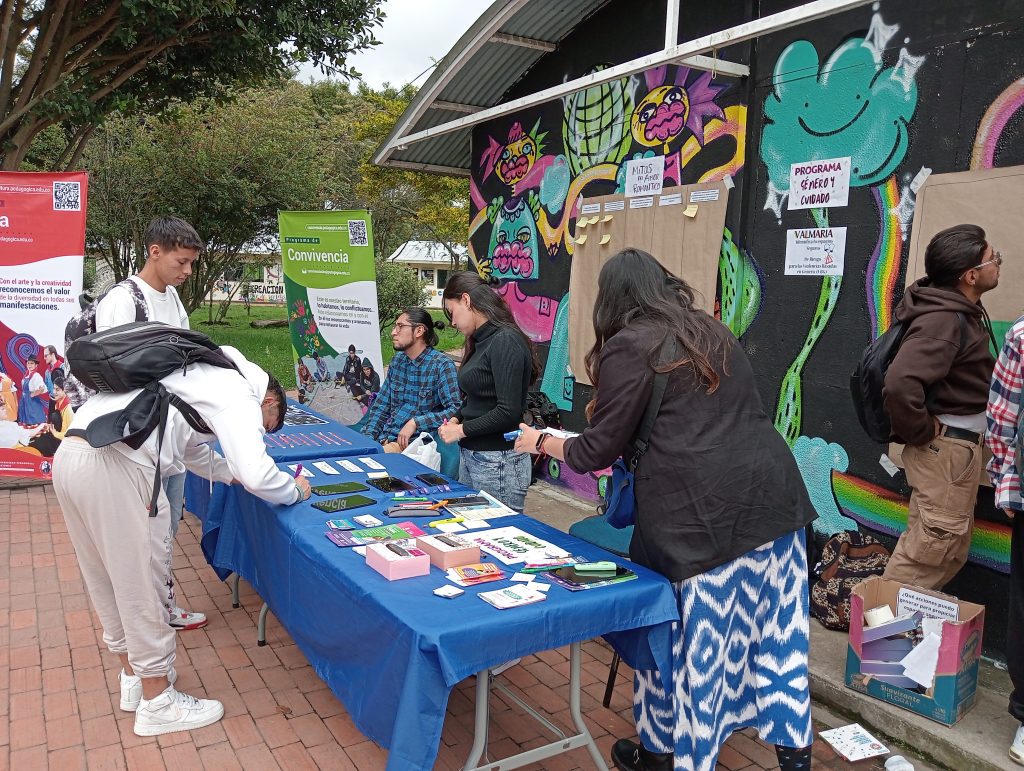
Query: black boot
630	756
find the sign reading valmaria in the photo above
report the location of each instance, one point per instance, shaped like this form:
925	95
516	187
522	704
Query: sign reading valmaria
645	176
819	184
815	251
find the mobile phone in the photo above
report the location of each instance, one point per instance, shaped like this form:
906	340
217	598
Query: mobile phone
571	574
344	504
433	480
340	487
390	484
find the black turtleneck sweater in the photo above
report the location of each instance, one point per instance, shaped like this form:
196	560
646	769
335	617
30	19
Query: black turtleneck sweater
495	380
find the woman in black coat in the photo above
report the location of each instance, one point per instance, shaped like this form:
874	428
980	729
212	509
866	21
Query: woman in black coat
721	510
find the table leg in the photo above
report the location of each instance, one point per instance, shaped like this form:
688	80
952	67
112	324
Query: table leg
261	627
234	591
564	744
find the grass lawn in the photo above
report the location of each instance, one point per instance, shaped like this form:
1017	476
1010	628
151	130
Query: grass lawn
271	348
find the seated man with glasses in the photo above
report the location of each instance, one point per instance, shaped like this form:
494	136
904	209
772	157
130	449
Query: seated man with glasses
936	392
421	389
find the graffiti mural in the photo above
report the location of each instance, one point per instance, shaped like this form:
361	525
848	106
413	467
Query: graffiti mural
527	184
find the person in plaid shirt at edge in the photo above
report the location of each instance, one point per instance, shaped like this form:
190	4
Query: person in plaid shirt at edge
1004	412
421	390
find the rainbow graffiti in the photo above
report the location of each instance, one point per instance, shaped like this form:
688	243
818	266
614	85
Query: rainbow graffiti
993	122
884	268
886	511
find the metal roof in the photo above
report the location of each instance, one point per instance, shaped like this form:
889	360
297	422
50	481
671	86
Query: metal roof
510	37
501	46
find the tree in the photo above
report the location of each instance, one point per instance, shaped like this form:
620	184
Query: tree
72	62
398	288
226	168
406	205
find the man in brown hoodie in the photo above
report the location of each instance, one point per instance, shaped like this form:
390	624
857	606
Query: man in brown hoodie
936	392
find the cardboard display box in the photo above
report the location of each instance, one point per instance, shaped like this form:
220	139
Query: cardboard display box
956	678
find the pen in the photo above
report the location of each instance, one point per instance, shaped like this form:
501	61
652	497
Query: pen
298	471
451	521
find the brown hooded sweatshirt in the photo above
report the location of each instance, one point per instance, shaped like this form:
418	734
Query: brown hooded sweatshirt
931	374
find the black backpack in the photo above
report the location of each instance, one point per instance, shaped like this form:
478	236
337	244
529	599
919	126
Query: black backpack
137	356
867	380
84	323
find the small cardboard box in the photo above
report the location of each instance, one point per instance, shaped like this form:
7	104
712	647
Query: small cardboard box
444	555
393	565
956	678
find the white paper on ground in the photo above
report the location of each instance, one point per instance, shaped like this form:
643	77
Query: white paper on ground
920	664
325	467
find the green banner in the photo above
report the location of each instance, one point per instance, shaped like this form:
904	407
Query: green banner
331	292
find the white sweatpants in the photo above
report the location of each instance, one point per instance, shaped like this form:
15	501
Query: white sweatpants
124	554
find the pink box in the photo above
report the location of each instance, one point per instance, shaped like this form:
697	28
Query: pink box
393	565
445	555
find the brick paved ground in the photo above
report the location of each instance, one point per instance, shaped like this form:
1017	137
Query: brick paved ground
60	708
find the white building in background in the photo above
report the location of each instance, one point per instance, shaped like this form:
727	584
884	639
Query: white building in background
432	262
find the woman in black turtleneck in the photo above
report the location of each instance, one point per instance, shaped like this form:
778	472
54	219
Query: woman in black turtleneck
498	366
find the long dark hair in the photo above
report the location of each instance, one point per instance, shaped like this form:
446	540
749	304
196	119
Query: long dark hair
484	299
633	286
420	317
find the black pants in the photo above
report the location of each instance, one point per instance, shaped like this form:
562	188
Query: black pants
1015	625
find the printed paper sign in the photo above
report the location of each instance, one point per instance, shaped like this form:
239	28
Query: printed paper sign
644	176
819	184
815	251
698	196
590	208
909	601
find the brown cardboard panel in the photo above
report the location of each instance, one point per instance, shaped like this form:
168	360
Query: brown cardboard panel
686	246
986	197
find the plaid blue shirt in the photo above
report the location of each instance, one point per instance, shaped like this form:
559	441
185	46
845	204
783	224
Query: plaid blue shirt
425	389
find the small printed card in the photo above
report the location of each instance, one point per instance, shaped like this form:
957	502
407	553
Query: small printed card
852	742
512	596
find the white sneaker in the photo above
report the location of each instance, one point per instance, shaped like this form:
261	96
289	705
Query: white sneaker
1017	748
173	711
131	689
183	620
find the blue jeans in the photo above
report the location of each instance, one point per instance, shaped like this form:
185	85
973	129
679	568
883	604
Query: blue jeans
503	474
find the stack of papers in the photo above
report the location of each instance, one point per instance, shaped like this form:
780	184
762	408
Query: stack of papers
512	597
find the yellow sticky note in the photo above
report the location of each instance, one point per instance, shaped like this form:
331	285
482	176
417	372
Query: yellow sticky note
581	239
582	223
691	210
606	218
606	238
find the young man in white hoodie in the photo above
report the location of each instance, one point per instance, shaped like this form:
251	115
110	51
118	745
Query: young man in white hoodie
124	553
172	245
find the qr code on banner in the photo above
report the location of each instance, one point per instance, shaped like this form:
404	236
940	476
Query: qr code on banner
357	233
67	196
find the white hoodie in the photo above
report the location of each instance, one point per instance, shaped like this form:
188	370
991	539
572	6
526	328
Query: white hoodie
230	405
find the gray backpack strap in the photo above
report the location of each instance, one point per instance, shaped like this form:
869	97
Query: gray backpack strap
141	309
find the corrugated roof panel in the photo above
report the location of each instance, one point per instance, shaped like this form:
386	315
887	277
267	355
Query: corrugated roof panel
486	77
446	150
550	21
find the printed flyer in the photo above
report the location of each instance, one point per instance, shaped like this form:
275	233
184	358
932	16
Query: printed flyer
331	294
42	247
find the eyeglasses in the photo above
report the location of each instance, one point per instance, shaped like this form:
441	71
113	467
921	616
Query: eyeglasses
401	326
997	258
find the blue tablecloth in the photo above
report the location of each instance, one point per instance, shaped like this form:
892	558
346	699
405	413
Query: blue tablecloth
392	651
310	435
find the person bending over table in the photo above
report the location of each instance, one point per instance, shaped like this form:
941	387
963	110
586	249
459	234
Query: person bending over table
421	389
498	366
124	549
720	512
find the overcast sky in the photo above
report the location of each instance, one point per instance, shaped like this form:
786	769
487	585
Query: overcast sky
415	33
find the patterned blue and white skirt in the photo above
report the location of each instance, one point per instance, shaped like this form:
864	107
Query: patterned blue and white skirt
739	659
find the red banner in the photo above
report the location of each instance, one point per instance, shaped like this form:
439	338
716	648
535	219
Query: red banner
42	248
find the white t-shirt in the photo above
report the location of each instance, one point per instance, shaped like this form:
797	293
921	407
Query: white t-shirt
118	307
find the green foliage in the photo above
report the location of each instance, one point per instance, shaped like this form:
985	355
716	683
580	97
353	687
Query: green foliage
270	347
397	288
75	64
